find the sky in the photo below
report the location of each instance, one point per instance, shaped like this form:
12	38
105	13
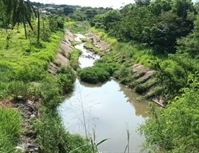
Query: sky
92	3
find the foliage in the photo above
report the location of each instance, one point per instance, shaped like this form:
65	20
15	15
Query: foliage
16	12
80	27
157	24
74	58
90	46
175	128
104	36
53	138
23	74
94	74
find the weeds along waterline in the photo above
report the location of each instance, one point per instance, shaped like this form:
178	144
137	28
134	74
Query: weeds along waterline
82	119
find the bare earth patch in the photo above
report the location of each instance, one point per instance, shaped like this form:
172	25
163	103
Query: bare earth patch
6	103
64	49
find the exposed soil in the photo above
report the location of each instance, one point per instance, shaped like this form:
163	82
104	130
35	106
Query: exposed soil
6	103
63	51
139	69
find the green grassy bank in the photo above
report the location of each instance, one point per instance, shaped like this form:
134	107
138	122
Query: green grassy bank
24	77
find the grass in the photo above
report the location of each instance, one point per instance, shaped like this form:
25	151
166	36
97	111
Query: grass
125	55
80	27
104	36
134	51
74	56
24	73
10	128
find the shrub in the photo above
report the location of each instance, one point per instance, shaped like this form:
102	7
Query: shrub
74	58
141	88
31	72
122	73
94	74
65	82
109	67
53	138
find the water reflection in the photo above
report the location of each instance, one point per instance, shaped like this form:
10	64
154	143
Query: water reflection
92	85
109	110
139	105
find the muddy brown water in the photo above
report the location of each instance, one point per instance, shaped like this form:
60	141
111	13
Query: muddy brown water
108	109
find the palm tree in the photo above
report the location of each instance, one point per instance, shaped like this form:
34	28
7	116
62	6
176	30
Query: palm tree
17	11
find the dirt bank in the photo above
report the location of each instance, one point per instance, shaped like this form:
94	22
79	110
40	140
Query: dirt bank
63	51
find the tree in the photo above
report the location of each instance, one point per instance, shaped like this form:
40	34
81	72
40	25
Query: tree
17	11
111	19
69	10
141	3
180	7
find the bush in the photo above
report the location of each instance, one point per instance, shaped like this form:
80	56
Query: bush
53	138
65	82
109	67
94	74
141	88
74	58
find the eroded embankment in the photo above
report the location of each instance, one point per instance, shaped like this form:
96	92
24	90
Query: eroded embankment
64	49
139	77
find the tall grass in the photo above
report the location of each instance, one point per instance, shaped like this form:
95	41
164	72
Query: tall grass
10	129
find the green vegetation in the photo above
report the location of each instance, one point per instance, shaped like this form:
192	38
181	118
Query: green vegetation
74	58
103	35
80	27
98	73
74	43
90	46
10	128
24	77
94	75
163	36
175	129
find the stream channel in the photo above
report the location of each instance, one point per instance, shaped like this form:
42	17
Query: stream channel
109	109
